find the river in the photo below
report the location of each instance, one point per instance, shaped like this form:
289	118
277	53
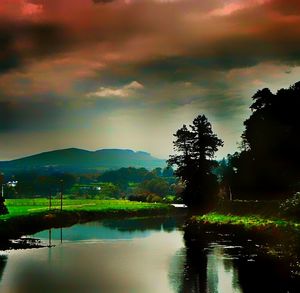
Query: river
139	255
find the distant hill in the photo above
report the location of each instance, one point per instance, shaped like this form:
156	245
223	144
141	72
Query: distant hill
79	160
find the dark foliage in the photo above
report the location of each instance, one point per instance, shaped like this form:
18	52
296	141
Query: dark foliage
291	206
195	147
124	176
3	208
268	165
33	184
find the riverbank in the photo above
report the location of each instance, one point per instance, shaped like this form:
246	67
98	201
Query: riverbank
274	238
251	216
264	208
27	217
248	222
255	226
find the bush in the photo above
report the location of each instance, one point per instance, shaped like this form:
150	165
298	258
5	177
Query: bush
291	206
145	197
154	198
169	199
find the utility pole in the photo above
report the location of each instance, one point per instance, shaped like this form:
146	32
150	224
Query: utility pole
61	194
230	193
50	203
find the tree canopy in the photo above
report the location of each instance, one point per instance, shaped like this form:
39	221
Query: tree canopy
195	147
268	165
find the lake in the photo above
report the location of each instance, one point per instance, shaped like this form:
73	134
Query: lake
140	255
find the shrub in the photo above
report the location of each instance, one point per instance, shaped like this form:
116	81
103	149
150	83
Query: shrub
291	206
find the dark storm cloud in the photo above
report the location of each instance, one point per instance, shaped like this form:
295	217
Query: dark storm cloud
25	40
53	3
291	7
249	36
32	115
190	56
102	1
45	38
182	68
9	57
174	38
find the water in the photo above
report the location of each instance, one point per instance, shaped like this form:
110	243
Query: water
138	255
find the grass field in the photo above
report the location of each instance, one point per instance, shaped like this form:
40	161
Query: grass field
247	222
23	207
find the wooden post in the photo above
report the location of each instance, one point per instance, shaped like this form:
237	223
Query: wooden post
61	194
230	193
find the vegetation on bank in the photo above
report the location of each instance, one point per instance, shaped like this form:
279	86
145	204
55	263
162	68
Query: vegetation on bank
28	207
291	206
247	221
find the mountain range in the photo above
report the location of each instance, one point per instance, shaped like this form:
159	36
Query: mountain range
74	159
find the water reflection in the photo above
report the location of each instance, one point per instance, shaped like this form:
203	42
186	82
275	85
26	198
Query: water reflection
167	224
139	261
221	273
226	264
3	260
50	236
143	255
113	229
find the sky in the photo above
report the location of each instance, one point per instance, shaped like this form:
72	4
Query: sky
127	74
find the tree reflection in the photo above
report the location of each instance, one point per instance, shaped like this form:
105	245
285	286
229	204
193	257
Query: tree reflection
195	271
167	224
3	261
266	274
216	265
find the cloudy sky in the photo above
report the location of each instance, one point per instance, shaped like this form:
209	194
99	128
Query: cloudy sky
128	73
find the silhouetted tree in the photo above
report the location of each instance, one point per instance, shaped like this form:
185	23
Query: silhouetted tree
268	165
195	147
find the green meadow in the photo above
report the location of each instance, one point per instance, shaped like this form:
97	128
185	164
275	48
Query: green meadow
28	207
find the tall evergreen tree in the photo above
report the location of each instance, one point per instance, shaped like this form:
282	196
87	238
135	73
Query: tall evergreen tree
195	148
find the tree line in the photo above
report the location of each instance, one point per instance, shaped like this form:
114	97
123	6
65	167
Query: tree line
265	167
140	184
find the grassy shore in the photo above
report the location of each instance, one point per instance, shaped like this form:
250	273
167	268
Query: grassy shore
248	222
27	216
269	238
